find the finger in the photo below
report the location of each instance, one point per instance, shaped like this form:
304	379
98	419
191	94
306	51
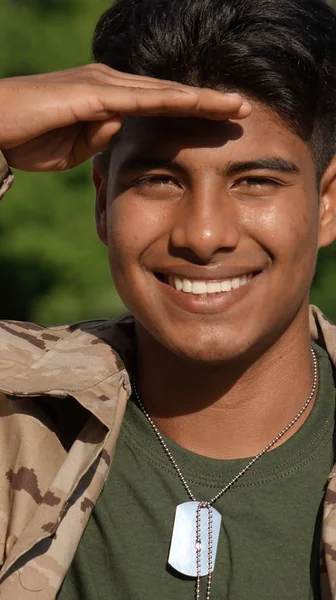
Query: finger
131	80
136	81
94	138
98	135
122	79
204	102
214	104
205	94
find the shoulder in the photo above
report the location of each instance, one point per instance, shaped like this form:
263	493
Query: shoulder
24	346
6	176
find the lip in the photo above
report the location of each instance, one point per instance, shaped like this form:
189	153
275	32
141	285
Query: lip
208	303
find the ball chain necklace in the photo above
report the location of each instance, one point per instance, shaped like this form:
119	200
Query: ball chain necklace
197	524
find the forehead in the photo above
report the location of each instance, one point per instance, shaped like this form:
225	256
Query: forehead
203	141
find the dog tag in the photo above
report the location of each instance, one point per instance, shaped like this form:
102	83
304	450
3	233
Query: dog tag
182	555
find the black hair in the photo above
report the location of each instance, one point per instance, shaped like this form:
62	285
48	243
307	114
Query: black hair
279	52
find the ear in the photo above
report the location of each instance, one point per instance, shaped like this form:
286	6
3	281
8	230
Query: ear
327	230
100	180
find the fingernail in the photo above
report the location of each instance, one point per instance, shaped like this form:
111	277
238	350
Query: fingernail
230	96
247	105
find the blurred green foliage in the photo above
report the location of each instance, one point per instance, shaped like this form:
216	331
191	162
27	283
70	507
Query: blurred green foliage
53	268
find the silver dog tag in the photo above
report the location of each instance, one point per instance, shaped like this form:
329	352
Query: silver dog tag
182	555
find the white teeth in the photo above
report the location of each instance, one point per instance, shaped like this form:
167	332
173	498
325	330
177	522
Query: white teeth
199	287
212	287
187	286
226	285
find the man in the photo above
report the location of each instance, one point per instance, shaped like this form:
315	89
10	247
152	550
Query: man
213	198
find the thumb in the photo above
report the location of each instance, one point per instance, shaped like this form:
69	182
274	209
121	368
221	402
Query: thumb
99	133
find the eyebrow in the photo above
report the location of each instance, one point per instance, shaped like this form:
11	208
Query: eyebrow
272	163
139	163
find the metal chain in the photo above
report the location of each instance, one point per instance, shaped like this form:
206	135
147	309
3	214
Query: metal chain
208	504
243	471
203	505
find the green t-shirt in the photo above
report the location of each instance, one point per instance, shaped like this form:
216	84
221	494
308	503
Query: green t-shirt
271	518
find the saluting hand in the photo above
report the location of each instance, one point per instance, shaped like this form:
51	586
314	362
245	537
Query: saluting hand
56	121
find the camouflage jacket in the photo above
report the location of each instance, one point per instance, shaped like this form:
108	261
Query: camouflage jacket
63	393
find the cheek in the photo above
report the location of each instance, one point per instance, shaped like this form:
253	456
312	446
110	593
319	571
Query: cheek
288	230
133	226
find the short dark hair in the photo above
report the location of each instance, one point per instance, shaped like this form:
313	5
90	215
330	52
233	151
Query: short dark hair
279	52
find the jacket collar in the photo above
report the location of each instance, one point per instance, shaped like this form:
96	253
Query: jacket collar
83	361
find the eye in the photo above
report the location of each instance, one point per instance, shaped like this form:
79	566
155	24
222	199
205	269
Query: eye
157	187
256	186
154	181
258	182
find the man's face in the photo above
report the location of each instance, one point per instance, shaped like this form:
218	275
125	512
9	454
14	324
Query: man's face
227	211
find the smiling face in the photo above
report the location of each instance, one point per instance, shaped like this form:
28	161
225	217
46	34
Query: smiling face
213	230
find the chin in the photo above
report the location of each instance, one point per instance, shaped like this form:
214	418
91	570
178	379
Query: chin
208	350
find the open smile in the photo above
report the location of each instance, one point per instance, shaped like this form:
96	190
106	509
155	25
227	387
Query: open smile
200	287
203	295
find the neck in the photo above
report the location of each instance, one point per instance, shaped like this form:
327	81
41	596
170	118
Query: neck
231	410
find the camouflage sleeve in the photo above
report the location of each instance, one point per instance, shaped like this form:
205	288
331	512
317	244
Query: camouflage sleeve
6	176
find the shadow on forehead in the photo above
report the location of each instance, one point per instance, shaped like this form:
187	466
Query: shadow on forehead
174	134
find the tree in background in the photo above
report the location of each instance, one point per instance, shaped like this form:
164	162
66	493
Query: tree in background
53	268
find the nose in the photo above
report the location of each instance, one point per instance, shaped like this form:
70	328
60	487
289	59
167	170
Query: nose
206	221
